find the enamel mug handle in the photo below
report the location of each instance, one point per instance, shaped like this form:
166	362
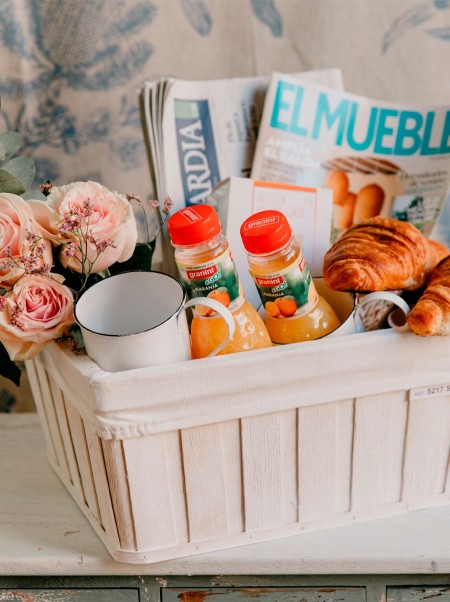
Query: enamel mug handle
220	309
392	298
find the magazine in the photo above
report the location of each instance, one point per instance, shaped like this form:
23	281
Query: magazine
379	158
198	133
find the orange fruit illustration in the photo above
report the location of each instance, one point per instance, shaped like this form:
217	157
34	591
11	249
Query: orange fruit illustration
287	306
220	294
272	309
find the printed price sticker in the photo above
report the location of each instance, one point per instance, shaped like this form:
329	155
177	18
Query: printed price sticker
433	391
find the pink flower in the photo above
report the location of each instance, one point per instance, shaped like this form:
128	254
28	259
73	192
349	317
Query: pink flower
37	310
21	244
167	205
100	224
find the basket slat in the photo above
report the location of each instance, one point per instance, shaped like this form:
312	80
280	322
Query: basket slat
120	494
380	426
100	481
427	448
269	449
52	420
208	489
61	412
155	483
232	465
78	434
325	450
35	385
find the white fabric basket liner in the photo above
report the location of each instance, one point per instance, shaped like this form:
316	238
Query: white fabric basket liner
159	399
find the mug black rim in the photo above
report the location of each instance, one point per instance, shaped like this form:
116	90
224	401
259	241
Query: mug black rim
132	334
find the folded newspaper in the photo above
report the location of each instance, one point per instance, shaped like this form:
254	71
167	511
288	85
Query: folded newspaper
379	158
199	133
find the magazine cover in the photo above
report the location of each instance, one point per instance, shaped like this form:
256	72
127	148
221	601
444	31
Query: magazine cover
379	158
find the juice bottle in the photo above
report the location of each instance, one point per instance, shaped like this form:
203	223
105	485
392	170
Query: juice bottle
294	310
206	267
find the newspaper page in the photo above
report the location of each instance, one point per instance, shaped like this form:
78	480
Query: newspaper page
379	158
199	133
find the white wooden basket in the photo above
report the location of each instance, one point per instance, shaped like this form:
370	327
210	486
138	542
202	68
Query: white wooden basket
202	455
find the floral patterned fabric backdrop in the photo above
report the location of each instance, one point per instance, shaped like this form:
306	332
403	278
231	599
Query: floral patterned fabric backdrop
70	69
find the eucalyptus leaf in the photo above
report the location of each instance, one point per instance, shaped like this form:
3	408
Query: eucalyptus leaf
9	144
75	333
34	195
22	169
9	183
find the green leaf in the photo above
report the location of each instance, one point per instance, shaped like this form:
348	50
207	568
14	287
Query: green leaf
9	144
17	175
8	368
75	333
9	183
140	260
35	195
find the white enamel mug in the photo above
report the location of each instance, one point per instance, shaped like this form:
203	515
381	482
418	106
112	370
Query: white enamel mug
137	319
347	308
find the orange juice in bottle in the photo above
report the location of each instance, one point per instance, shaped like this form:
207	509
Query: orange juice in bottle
294	310
206	267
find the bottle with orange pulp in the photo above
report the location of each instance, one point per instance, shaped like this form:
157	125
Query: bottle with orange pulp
203	257
294	310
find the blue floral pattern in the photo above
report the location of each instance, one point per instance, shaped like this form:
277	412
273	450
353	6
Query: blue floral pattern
268	14
416	16
109	54
113	51
198	15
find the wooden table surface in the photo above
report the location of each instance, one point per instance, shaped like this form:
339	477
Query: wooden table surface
42	531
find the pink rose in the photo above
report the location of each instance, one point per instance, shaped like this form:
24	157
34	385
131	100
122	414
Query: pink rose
37	310
103	219
17	247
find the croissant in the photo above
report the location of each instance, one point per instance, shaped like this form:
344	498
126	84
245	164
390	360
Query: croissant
431	314
381	253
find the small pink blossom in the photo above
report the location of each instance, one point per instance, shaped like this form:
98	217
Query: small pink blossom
15	316
45	188
72	221
32	237
133	197
88	208
69	249
5	265
100	245
167	205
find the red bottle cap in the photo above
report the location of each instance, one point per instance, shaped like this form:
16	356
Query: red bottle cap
265	232
193	225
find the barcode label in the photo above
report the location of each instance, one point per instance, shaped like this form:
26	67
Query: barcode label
425	392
